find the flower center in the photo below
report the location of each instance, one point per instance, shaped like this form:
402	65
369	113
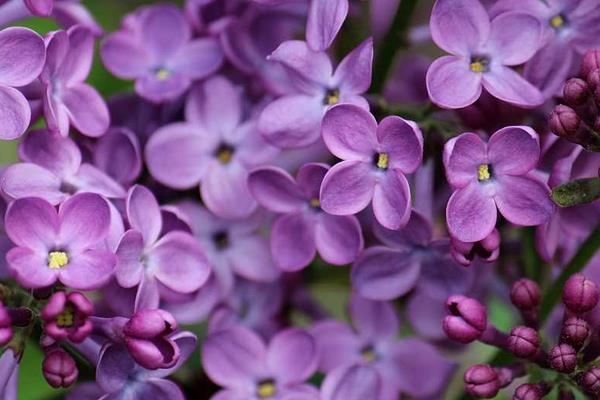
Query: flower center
162	74
57	259
484	172
224	153
221	240
479	64
381	160
558	21
266	389
368	354
65	319
315	203
332	97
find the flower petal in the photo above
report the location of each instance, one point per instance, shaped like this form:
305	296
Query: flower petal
462	157
129	270
292	356
29	180
391	200
347	188
293	242
514	150
353	382
338	238
225	191
353	75
524	201
30	268
198	58
274	189
325	18
417	232
23	53
350	132
338	344
92	179
143	213
124	56
451	84
471	213
514	37
296	56
402	140
373	320
252	259
51	151
164	29
33	223
77	64
89	270
507	85
309	179
15	113
87	110
84	220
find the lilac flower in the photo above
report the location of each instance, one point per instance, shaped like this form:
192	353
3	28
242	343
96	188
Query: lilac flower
60	246
294	120
410	365
496	174
482	52
570	28
155	48
24	54
303	228
118	153
53	170
214	147
59	368
375	161
66	316
239	360
174	260
325	18
352	382
68	100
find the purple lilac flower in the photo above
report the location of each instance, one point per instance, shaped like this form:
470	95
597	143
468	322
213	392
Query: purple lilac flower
570	28
66	316
26	52
155	48
294	120
238	360
496	174
52	169
304	228
68	99
149	261
409	365
60	246
215	147
375	161
482	52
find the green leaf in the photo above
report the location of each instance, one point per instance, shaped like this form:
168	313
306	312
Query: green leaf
577	192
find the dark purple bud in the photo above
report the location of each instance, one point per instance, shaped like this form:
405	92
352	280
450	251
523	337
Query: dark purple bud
529	391
590	381
59	368
525	294
146	336
487	249
524	342
467	319
576	92
593	79
564	121
580	294
482	381
66	316
575	331
591	62
563	358
6	331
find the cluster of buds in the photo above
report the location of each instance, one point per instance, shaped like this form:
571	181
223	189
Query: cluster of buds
569	358
578	121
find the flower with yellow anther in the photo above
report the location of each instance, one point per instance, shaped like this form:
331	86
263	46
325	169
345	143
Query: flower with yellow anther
266	389
557	21
57	259
382	161
483	173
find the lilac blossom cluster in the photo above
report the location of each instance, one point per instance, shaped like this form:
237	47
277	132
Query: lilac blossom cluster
187	238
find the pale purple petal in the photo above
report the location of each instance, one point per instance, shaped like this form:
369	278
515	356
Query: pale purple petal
225	191
92	179
29	180
15	113
87	110
524	201
274	189
451	84
338	238
89	270
347	188
32	222
471	213
350	133
252	259
549	67
298	57
159	90
198	58
118	154
114	367
51	151
165	30
462	157
129	269
514	150
30	268
292	356
22	56
354	382
77	64
309	179
383	274
373	320
325	18
417	232
143	213
507	85
391	200
514	37
84	220
353	75
124	56
402	141
459	26
293	242
40	8
147	295
338	344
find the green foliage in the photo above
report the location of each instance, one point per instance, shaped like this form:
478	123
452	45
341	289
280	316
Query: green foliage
577	192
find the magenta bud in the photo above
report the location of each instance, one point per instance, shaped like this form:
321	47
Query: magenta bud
564	121
528	391
482	381
590	62
576	92
580	294
59	368
575	331
593	79
563	358
488	249
524	342
6	331
525	294
66	316
590	381
467	319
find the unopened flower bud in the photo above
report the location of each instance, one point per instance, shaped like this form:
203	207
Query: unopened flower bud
564	121
590	62
488	249
482	381
590	381
575	331
529	391
576	92
580	294
467	319
524	342
563	358
59	368
6	331
525	294
66	316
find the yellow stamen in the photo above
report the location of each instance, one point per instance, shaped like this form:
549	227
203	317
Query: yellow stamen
332	97
557	21
162	74
483	172
57	259
382	161
266	389
477	66
315	203
224	156
65	319
369	355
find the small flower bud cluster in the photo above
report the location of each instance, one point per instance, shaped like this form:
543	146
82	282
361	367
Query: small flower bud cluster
578	121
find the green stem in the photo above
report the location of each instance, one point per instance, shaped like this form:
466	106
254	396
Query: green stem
393	40
577	263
